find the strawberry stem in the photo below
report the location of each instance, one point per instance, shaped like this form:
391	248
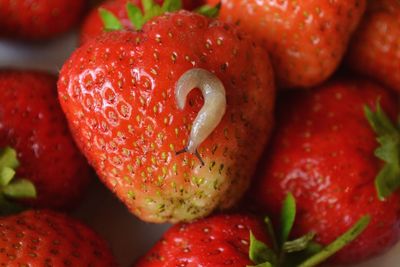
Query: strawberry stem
338	244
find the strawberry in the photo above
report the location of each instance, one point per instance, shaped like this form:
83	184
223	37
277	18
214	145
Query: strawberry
39	19
93	25
323	152
375	47
32	122
118	93
306	39
242	240
47	238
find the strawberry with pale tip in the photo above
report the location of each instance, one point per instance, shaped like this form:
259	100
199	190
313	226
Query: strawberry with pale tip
118	93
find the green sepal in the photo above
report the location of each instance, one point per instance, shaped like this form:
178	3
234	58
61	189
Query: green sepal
20	188
6	175
338	244
135	15
271	233
12	188
259	252
209	11
388	136
298	244
288	215
8	158
110	21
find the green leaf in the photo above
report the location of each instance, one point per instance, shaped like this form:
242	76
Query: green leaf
147	5
388	136
6	175
110	21
20	188
8	158
259	253
209	11
271	234
135	15
288	216
298	244
171	5
338	244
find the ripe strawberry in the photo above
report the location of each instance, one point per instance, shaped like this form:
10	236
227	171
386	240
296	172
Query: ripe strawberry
306	39
323	152
241	240
118	95
32	122
93	25
215	241
375	47
40	19
47	238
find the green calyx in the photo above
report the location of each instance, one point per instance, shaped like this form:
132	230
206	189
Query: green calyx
150	10
388	136
303	251
12	188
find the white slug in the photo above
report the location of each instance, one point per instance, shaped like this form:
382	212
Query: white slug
210	115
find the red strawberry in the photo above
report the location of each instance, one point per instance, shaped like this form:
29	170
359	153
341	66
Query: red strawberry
323	152
118	93
306	39
31	121
93	25
47	238
240	240
39	19
375	48
221	240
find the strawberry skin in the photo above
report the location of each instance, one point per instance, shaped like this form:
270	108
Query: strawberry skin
32	122
93	25
39	19
220	240
118	95
47	238
375	47
306	39
323	152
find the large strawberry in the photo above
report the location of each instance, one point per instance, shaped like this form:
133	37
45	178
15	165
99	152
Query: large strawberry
239	240
47	238
323	152
306	39
118	93
93	25
375	47
32	122
39	19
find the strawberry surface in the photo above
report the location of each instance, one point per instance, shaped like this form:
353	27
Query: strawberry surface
118	95
375	48
323	152
220	240
306	39
32	122
47	238
38	19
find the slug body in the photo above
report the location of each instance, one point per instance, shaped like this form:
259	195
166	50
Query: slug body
214	106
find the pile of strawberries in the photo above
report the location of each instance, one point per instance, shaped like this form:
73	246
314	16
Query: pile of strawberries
267	131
